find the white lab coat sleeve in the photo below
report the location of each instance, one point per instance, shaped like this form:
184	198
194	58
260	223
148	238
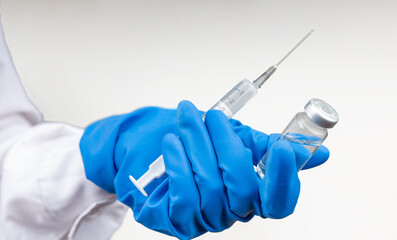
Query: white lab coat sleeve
44	193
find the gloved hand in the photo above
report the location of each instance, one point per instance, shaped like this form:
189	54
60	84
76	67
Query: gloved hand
210	181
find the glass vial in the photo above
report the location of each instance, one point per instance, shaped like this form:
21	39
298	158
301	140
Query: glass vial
306	132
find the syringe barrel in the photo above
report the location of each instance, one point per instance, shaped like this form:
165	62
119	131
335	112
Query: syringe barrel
236	98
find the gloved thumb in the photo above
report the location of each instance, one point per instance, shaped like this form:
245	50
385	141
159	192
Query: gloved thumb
279	190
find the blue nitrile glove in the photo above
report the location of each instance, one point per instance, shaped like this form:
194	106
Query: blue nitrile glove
210	181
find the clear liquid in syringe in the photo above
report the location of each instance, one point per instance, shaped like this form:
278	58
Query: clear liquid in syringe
236	98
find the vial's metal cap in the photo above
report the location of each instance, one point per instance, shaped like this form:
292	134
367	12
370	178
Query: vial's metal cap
321	113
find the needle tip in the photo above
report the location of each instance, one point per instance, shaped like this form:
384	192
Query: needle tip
293	49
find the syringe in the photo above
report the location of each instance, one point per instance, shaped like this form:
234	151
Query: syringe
230	104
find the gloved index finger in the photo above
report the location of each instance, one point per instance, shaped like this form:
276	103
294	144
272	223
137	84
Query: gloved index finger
201	155
235	162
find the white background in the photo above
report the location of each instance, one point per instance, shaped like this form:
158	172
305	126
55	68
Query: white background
83	60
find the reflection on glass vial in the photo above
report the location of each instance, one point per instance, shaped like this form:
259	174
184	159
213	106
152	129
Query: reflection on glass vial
306	132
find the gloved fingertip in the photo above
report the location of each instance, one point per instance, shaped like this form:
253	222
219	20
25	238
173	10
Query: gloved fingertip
278	211
235	123
281	145
175	160
323	153
187	110
169	140
172	147
215	117
280	163
214	112
319	157
186	104
279	201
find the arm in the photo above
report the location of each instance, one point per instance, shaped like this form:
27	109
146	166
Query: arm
43	190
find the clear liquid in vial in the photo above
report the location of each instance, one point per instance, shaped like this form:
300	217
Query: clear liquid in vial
303	145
